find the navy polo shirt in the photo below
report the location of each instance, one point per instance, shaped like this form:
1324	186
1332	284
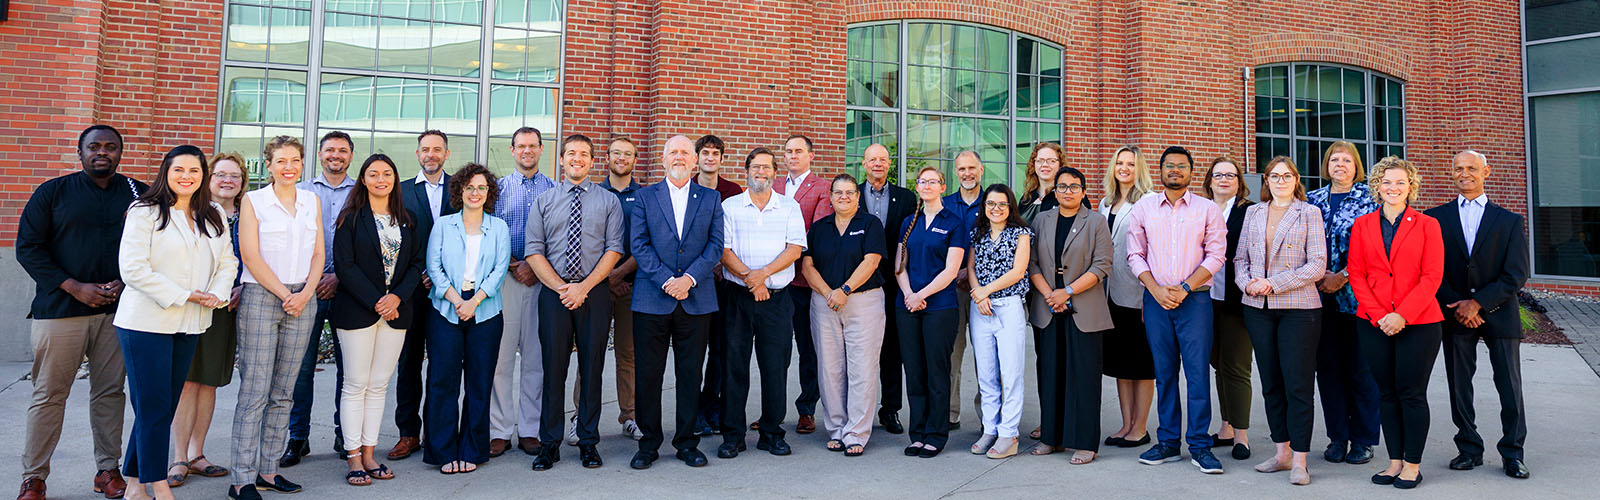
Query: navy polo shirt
628	195
927	247
836	256
969	213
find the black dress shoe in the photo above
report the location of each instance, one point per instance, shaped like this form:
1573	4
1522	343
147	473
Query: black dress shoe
692	457
730	449
1465	462
1134	444
1241	451
1336	452
642	460
1359	454
246	492
547	458
1515	468
589	456
279	484
1406	485
773	445
297	449
1382	480
891	423
1218	442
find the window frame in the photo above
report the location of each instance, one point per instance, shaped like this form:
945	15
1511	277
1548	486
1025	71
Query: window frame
1312	176
1530	173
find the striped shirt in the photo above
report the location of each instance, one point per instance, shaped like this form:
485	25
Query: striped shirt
1172	240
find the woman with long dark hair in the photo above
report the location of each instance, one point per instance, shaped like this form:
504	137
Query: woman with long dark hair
177	260
379	260
998	262
926	262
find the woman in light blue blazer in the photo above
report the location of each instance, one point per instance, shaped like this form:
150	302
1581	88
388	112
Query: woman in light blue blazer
468	256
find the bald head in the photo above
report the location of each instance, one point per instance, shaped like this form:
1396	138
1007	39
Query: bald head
1469	170
678	157
875	162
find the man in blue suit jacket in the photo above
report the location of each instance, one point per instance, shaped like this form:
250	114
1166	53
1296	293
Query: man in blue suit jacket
676	238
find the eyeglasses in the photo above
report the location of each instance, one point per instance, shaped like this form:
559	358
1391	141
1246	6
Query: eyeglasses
846	194
229	177
1174	166
477	189
929	182
991	205
1069	188
1224	176
1275	178
1047	161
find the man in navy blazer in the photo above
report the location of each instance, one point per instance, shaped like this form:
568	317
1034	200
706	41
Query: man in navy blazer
1485	264
676	239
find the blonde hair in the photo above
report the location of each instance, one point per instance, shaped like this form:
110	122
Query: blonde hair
914	215
1346	146
1375	178
1244	188
1299	188
1141	178
244	182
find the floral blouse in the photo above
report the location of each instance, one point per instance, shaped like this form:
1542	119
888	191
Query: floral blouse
993	258
1337	222
389	244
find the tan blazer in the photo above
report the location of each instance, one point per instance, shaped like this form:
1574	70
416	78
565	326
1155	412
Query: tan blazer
1088	250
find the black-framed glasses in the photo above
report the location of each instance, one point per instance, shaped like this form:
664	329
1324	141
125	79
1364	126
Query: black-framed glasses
846	194
1069	188
1225	176
1281	177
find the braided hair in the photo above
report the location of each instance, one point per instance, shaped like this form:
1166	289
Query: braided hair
906	234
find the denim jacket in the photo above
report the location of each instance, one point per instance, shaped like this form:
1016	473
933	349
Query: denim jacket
447	248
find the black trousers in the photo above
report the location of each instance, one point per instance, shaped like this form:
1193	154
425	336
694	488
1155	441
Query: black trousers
1285	343
1401	363
1068	365
1344	379
810	392
652	334
763	327
589	325
711	393
890	381
926	340
408	384
1460	363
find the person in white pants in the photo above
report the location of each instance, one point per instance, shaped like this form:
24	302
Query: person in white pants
998	328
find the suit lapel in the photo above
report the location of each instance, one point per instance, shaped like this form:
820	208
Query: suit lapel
1490	213
1406	222
665	202
1284	223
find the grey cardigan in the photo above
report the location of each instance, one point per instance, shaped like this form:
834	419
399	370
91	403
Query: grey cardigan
1088	250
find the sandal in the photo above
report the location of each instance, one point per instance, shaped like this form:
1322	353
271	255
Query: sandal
1083	457
176	480
358	478
1037	434
1044	449
855	450
210	470
835	445
382	473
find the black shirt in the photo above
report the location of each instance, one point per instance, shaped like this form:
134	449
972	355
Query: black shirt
1063	228
837	256
71	228
1389	228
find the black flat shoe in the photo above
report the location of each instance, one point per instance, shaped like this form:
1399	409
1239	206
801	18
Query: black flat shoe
1134	444
1406	485
589	457
1516	468
955	425
1359	454
1114	441
929	452
1241	451
1382	480
1336	452
692	457
1217	442
913	450
279	484
891	423
1465	462
246	492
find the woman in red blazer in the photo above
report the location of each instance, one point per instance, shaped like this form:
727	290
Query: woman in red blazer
1396	264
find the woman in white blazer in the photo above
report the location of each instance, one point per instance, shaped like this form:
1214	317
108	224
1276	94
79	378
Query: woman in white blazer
1126	355
176	258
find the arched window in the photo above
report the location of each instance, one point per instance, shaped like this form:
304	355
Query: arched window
1330	103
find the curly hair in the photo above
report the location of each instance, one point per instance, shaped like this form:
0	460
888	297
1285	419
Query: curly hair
1375	178
458	185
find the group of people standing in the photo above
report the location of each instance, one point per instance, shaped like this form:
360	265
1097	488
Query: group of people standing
498	281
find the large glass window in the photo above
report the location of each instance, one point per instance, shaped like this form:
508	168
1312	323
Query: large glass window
1329	103
1563	104
386	70
929	90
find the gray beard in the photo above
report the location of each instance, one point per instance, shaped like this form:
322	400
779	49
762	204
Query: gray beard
678	176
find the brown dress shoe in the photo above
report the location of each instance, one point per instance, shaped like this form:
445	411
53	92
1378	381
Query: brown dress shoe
498	447
528	445
32	489
807	425
110	483
405	448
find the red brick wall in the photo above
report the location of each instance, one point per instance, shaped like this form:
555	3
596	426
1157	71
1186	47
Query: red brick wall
148	68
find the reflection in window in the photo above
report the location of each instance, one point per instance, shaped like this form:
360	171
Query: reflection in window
947	87
1302	109
1566	184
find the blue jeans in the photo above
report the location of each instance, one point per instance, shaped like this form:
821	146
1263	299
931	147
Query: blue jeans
158	363
461	363
305	386
1182	335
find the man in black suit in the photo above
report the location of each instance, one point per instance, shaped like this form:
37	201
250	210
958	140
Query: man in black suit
426	196
1485	263
891	204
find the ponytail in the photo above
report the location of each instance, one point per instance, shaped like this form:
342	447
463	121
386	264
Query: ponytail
904	235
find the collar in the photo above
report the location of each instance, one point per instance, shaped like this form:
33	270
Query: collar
300	199
349	181
772	200
567	187
878	191
533	178
1182	200
423	179
1482	200
674	189
632	185
799	180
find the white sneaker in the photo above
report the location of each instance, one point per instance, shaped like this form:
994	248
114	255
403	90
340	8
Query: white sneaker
631	429
572	431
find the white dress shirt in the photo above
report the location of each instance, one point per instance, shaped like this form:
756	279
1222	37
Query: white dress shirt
286	241
758	235
1219	286
435	192
794	183
680	202
1471	216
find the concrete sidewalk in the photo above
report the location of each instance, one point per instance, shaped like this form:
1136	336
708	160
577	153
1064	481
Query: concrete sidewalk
1563	401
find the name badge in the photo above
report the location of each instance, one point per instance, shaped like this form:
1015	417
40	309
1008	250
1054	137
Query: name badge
939	231
858	231
628	199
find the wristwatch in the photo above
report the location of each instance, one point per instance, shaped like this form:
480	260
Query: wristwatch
1185	286
846	288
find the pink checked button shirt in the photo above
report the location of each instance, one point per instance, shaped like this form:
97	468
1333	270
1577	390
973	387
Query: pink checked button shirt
1171	241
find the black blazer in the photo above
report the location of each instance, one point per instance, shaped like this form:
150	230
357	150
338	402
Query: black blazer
1493	273
1231	300
902	202
359	264
415	198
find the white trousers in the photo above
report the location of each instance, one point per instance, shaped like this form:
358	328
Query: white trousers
369	355
999	343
